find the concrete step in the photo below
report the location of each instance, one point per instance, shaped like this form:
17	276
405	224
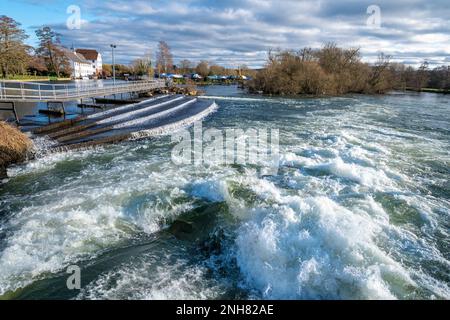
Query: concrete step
186	115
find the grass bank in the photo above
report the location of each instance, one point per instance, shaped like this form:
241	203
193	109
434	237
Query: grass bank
33	78
431	90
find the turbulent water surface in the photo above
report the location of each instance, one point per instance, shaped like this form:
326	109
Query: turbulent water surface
359	209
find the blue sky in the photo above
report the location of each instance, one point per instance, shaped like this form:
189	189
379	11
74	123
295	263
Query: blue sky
233	32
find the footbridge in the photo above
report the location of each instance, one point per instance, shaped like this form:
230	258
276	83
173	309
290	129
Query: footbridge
12	91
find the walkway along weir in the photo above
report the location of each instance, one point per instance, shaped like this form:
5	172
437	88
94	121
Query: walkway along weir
12	92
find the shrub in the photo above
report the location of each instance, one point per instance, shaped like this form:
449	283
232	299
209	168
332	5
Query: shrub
327	71
14	146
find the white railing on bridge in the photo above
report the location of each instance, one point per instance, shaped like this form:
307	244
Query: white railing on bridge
40	91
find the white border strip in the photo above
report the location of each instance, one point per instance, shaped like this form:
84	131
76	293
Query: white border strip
174	126
124	116
153	116
104	113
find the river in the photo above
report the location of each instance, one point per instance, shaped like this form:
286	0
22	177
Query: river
358	209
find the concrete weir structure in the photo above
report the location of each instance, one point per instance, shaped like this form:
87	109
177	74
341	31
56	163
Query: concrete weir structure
154	116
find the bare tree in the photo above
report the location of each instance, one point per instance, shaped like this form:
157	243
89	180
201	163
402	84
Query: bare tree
217	70
50	50
143	66
202	68
164	58
422	76
307	54
37	65
185	66
380	76
440	78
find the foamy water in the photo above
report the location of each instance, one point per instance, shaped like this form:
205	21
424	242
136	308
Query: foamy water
359	209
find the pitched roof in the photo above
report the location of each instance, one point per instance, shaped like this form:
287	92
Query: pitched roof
89	54
74	56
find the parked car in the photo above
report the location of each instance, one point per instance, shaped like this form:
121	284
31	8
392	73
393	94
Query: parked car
174	76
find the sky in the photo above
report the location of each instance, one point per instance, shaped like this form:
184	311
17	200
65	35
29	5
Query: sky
236	32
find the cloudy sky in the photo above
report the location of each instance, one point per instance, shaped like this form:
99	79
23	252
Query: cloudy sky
233	32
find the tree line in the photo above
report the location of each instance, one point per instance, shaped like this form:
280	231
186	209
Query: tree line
17	58
332	70
164	64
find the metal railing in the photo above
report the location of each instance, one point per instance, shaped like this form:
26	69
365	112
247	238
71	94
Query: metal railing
35	91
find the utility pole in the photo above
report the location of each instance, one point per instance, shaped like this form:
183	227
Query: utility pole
113	46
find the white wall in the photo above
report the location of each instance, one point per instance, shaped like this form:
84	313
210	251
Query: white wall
99	63
81	70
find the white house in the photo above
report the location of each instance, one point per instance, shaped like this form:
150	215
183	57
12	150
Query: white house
94	57
81	68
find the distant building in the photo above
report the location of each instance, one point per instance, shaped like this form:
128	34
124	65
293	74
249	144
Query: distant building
81	68
94	57
85	63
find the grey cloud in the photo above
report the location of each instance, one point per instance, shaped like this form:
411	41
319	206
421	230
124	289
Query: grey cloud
232	32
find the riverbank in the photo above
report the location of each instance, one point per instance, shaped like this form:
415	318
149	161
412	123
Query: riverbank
429	90
208	82
14	147
33	78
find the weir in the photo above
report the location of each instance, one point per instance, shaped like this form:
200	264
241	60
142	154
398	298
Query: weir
154	116
136	119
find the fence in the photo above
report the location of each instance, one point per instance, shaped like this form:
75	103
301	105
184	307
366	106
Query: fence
35	91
